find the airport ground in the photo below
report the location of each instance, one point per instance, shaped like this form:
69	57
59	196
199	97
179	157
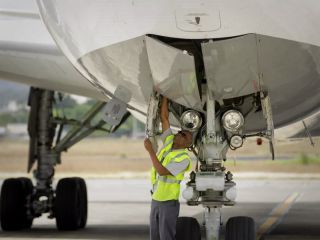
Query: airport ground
282	196
119	210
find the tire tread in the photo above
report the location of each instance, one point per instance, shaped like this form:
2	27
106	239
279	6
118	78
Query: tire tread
240	228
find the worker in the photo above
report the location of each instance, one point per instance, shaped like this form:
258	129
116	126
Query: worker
167	172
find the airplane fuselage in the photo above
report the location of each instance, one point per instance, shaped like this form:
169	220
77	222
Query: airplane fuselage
256	45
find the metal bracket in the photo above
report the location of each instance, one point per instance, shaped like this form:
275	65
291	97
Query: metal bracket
73	135
114	111
84	128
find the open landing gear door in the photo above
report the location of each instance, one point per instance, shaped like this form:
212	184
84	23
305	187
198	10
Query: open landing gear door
232	66
174	74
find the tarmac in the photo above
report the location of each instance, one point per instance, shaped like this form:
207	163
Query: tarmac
119	209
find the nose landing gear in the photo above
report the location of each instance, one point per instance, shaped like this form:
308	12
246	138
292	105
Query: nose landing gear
210	185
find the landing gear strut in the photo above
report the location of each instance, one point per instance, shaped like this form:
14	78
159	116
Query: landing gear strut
21	202
213	187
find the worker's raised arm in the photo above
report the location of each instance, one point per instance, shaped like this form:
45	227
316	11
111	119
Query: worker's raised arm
164	114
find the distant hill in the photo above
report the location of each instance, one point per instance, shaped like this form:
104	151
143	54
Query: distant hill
13	92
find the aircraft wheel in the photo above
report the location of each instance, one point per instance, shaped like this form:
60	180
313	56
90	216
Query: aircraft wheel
84	202
69	204
240	228
188	228
13	212
28	189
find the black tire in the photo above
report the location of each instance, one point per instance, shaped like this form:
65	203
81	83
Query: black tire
13	212
83	202
240	228
68	204
188	228
28	189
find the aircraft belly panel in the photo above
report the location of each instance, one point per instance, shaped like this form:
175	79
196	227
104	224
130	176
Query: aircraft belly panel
193	17
113	21
174	73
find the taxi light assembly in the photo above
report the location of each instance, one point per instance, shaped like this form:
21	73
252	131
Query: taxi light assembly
232	121
236	141
191	120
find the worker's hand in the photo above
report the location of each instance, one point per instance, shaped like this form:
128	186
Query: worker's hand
148	144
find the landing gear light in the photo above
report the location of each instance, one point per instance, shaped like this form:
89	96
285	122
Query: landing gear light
236	141
232	121
191	120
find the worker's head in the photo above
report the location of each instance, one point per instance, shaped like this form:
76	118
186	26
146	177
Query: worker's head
183	139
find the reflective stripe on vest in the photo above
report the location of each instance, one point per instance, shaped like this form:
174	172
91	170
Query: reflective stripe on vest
179	155
166	180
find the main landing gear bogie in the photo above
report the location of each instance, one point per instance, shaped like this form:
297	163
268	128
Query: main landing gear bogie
21	201
20	204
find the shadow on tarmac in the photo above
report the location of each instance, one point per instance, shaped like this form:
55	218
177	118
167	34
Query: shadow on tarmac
113	232
300	222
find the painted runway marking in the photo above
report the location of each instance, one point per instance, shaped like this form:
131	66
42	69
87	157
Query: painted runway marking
276	215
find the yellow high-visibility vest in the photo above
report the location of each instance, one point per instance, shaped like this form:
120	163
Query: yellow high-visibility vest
168	187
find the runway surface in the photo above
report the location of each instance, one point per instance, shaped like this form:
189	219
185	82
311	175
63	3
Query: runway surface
119	209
